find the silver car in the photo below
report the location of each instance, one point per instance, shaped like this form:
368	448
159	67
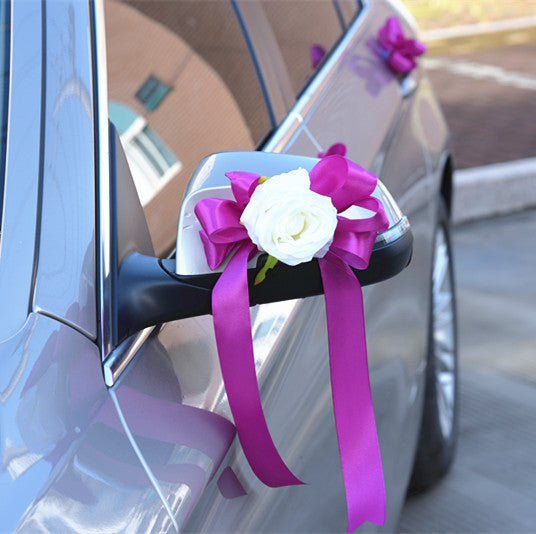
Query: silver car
117	117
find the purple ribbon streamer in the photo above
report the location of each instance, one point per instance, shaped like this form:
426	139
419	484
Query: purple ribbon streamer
235	349
346	184
399	52
352	401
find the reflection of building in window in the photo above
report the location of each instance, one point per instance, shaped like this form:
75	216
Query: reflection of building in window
152	92
200	114
152	164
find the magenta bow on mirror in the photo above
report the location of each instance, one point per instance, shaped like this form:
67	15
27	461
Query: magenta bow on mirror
398	51
229	227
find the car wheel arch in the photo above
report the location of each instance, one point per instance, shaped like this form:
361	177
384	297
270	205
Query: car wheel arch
447	184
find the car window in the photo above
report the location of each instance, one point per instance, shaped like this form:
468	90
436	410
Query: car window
181	86
306	30
4	90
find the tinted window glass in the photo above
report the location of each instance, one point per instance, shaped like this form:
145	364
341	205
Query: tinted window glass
181	85
348	10
306	30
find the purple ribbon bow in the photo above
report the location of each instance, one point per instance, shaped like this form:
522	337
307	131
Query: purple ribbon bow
346	184
399	52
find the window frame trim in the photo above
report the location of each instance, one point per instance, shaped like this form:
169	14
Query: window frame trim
266	53
310	95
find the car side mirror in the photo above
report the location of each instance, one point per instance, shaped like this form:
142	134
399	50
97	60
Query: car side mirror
153	291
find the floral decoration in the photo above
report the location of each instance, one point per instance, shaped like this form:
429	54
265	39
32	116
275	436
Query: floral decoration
294	217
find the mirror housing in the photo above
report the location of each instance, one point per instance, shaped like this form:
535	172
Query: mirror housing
152	291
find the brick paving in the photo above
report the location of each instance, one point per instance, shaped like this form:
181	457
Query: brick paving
490	122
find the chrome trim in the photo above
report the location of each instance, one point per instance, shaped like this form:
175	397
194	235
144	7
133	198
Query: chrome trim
60	319
408	85
102	166
119	359
308	99
339	14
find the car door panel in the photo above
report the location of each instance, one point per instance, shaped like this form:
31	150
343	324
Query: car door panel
19	215
51	390
65	278
381	132
292	381
292	365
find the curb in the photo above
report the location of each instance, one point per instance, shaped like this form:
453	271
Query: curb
493	190
470	37
501	188
467	30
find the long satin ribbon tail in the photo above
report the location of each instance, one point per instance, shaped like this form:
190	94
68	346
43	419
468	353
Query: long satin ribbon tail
232	325
352	401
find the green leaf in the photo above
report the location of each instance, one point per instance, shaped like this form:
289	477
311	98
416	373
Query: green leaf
270	264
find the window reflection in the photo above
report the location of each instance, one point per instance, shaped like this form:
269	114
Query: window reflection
184	71
300	25
151	163
152	92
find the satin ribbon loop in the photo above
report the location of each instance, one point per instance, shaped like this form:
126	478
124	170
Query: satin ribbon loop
329	175
335	149
243	184
354	249
215	253
342	180
222	231
374	224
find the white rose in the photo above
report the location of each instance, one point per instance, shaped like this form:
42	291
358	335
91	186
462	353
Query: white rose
289	221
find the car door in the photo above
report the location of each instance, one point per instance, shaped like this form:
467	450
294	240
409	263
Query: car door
170	394
355	99
385	122
166	380
178	364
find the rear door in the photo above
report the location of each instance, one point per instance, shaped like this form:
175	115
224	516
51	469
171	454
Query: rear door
343	92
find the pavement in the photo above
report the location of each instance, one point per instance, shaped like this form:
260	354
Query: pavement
492	485
495	189
489	98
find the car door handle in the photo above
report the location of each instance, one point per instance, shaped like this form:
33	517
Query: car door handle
408	85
